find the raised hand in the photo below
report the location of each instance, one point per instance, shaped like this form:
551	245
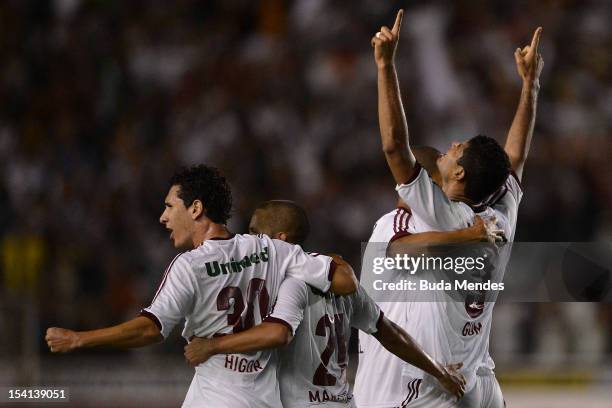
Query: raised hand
62	340
198	351
452	380
529	62
385	42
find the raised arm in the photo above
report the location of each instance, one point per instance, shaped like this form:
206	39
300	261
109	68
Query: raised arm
391	117
137	332
529	64
400	343
427	157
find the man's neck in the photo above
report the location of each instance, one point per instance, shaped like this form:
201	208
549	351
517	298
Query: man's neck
455	192
210	230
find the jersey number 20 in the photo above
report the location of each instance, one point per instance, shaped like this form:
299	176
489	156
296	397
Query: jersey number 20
255	291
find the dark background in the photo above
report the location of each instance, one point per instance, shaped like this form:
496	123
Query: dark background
100	101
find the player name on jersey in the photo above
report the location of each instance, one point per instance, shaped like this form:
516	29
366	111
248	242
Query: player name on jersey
240	364
215	268
471	328
324	396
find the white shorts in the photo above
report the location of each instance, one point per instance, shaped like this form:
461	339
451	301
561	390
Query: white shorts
485	394
380	382
205	393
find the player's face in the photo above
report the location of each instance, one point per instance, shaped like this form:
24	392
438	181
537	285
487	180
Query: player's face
177	219
447	163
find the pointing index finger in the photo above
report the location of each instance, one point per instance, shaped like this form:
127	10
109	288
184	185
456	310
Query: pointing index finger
398	22
535	41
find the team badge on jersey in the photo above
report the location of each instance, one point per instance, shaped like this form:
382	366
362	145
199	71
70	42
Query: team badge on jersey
474	304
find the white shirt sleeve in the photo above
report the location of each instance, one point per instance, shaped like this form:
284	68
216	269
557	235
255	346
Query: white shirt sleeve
366	313
175	297
428	202
314	269
290	304
507	200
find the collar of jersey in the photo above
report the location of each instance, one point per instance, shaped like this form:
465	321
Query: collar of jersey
218	239
221	239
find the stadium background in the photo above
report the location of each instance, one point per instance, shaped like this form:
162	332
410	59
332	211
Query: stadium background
102	100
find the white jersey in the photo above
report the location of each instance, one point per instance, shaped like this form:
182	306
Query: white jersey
226	286
431	209
471	320
463	327
428	321
313	367
383	379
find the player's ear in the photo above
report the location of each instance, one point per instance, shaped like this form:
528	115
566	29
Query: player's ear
459	173
281	235
196	209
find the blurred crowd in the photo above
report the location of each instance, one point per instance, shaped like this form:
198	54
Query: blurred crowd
102	100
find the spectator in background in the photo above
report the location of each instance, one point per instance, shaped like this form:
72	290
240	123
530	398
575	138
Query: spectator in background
100	98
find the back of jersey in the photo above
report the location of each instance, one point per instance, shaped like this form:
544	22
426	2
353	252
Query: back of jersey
226	286
238	282
313	367
237	279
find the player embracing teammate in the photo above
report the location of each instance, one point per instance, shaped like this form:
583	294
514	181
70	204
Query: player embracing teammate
314	328
225	285
443	192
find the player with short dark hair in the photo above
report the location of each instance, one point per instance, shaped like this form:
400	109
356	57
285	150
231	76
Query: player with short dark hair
223	283
281	219
486	166
205	183
443	197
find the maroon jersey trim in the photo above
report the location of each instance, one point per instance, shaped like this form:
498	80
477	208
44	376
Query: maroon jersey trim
400	221
332	269
516	177
165	276
152	317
